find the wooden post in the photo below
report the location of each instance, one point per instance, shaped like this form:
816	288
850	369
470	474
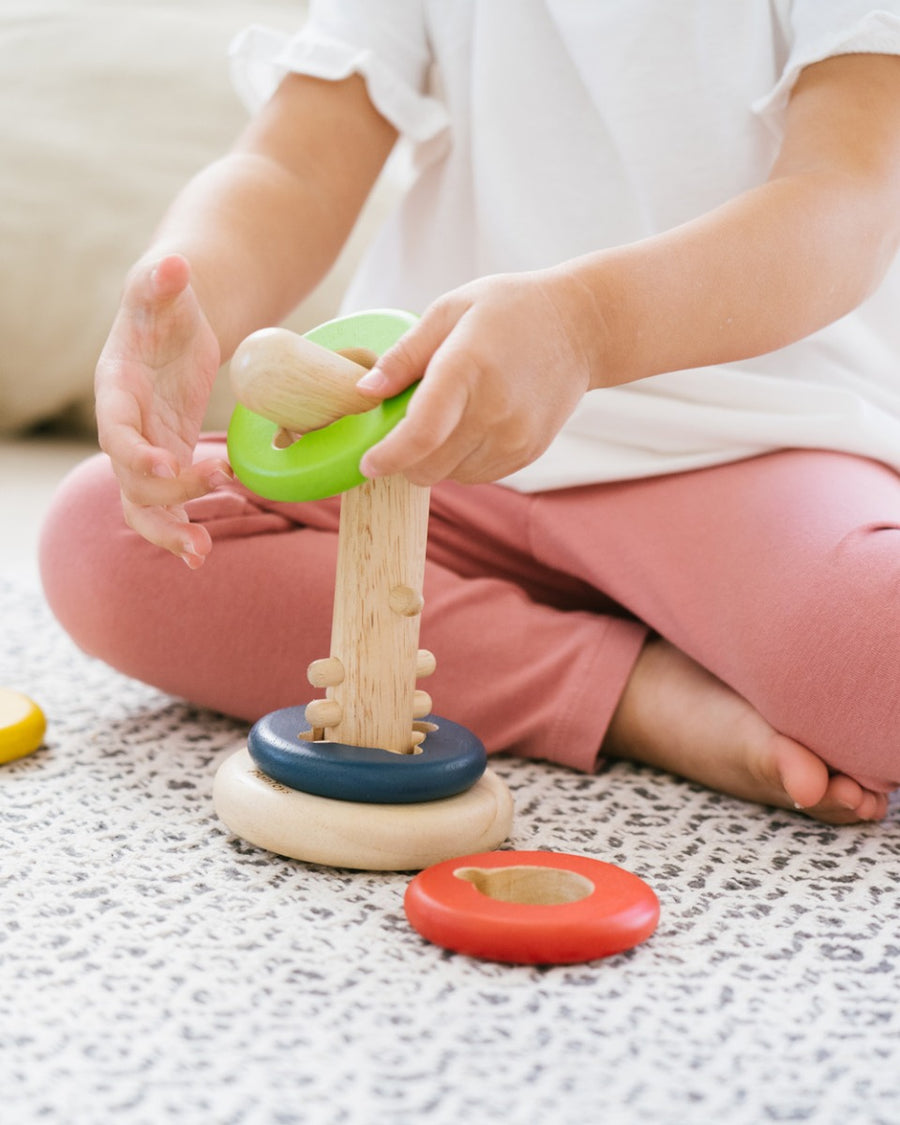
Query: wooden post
370	675
377	609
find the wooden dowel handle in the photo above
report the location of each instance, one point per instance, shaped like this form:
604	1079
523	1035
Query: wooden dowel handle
294	382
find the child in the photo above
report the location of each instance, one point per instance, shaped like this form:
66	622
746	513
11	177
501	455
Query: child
653	246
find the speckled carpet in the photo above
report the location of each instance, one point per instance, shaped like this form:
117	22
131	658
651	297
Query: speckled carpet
154	969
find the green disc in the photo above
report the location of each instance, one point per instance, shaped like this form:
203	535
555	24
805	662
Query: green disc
322	462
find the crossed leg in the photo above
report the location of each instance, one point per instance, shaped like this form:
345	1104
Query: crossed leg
678	717
768	593
774	587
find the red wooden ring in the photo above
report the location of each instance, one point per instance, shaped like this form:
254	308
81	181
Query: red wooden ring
531	908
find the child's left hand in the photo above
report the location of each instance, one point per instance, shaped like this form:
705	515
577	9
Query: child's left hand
502	367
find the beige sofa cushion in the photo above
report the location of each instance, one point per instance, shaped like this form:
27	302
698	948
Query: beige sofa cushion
106	109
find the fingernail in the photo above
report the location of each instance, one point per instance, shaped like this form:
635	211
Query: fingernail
373	381
367	470
191	559
220	477
166	472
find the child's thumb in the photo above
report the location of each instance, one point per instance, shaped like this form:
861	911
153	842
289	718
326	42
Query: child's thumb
404	363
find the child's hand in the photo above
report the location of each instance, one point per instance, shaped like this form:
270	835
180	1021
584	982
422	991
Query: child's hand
152	386
502	368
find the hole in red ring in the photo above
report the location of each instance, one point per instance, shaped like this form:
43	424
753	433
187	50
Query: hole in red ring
528	885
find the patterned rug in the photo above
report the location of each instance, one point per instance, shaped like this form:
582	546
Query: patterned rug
154	969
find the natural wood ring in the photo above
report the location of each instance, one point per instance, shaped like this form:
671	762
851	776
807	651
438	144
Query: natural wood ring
355	835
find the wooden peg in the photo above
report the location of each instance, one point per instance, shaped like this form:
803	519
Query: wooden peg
325	673
406	601
426	664
422	704
323	713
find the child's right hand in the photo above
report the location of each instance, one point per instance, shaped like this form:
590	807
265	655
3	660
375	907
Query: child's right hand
153	383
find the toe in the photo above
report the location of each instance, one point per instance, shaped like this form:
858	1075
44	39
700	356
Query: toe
873	806
847	802
845	793
801	774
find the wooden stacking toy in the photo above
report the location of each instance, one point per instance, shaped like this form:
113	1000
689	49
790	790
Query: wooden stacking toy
366	776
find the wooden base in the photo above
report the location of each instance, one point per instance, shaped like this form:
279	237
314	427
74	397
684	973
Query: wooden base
355	835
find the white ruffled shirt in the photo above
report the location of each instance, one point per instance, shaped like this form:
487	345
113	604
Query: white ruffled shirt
544	129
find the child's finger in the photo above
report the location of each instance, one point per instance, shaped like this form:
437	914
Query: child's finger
427	443
149	475
170	529
131	453
165	490
156	282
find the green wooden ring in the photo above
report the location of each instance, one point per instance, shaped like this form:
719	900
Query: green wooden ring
324	462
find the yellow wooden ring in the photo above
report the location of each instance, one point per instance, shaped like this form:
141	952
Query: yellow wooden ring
22	725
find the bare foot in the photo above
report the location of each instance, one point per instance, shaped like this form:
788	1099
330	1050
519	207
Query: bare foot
677	716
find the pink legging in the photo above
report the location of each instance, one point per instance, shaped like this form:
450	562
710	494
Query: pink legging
779	574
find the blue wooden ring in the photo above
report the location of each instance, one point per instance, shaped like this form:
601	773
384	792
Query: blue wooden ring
452	759
326	461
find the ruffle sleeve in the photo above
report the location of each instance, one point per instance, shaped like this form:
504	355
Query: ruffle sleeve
820	29
384	42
